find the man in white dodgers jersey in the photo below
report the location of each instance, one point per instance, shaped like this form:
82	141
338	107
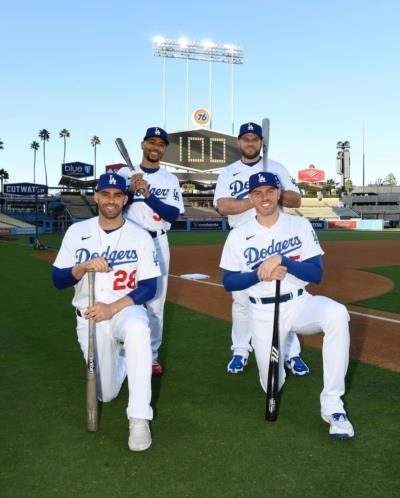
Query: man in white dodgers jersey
156	204
278	246
231	198
125	261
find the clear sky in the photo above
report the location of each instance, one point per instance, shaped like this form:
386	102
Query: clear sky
321	71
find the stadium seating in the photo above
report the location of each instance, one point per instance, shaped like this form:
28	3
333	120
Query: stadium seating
201	213
79	207
9	222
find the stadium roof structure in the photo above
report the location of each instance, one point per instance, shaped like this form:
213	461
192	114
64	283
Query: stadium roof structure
69	181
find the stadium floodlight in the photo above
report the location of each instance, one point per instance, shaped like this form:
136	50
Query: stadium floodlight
205	50
343	162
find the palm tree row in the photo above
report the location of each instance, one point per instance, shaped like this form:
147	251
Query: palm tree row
44	135
3	173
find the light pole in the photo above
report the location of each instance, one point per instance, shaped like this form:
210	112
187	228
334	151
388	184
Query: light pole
343	163
363	160
204	51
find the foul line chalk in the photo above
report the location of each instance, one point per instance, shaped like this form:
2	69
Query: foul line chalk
365	315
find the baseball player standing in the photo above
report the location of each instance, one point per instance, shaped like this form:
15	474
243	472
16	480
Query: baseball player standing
125	261
278	246
156	205
231	198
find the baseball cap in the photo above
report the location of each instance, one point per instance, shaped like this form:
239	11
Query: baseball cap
250	128
156	131
263	179
111	180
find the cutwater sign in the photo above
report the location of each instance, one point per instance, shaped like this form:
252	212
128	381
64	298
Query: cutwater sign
77	169
25	189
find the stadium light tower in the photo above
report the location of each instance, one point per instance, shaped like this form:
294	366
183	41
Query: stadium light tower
343	162
203	51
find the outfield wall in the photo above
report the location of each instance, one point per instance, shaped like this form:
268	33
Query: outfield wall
354	224
222	225
329	224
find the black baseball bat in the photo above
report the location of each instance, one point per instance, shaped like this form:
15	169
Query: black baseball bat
271	408
125	154
92	416
265	132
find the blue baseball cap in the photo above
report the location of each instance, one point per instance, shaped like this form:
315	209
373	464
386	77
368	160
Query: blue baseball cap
263	179
250	128
156	131
111	180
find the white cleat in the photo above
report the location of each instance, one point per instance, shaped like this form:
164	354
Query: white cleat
139	434
340	425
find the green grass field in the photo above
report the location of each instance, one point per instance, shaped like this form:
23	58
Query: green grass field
209	436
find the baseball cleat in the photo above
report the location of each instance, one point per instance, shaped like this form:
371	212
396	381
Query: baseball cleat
297	366
237	364
156	368
139	434
340	425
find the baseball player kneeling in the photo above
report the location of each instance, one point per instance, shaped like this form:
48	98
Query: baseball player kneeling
126	265
278	246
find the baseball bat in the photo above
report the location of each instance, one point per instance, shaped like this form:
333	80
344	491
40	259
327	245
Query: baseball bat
271	409
125	154
91	381
265	132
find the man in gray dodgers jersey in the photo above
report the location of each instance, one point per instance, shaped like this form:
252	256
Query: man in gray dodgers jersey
157	203
231	198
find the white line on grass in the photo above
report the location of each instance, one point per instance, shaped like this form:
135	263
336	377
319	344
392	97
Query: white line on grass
365	315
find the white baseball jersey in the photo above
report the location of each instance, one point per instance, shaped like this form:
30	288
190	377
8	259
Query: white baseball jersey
165	186
233	182
248	245
129	251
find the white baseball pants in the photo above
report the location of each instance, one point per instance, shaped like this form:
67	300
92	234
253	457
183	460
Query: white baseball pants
155	307
241	333
307	315
122	349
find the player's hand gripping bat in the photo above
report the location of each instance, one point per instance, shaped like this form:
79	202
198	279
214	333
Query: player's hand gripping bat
124	153
91	381
271	409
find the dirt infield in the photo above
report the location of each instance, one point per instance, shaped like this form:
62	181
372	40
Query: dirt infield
372	340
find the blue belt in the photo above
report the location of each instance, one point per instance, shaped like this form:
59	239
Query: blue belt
270	300
156	234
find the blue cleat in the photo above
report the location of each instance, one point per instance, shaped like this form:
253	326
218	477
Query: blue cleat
237	364
297	366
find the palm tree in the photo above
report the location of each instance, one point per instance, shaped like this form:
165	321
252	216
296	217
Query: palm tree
1	144
64	133
3	176
34	146
44	135
95	141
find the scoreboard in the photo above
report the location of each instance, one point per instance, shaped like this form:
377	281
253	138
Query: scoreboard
201	149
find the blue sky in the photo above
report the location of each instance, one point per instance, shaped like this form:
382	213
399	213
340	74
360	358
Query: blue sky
321	71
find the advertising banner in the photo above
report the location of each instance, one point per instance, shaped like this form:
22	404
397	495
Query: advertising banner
311	175
77	169
25	189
